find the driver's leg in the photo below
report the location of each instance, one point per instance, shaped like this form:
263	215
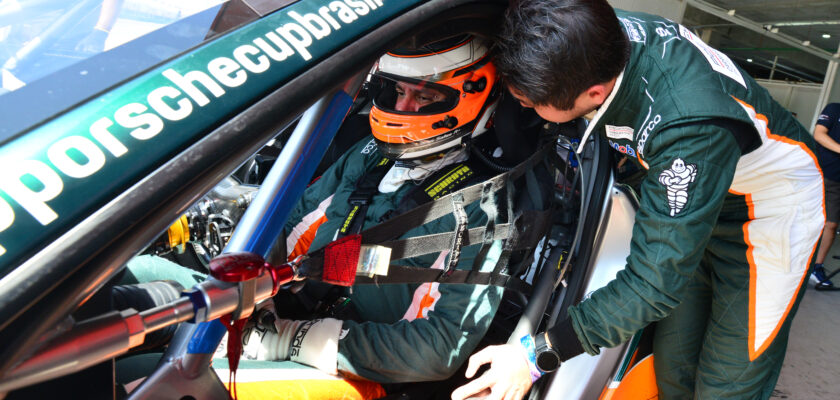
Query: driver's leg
147	268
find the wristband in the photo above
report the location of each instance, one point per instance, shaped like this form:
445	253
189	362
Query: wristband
527	343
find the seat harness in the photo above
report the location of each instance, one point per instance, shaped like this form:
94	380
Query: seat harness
337	262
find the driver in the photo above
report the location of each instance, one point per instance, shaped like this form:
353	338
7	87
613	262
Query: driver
426	135
412	98
421	121
431	106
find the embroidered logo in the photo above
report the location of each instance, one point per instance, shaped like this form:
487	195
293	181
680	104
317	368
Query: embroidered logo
623	149
666	31
648	126
635	31
369	147
676	182
662	32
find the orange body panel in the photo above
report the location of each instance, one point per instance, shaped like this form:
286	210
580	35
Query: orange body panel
638	384
309	389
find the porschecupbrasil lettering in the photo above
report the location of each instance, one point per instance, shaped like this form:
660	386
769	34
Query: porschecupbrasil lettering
120	130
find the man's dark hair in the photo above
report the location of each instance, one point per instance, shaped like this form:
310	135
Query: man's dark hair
552	50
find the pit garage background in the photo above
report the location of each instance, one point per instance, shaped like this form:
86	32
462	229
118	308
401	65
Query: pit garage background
790	46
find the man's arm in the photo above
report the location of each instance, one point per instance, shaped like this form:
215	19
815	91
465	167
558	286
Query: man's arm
821	136
828	117
665	251
310	211
94	42
673	225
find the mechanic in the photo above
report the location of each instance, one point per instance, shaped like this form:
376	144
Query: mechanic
827	135
730	213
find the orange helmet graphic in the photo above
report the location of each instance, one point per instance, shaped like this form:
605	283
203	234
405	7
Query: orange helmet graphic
430	99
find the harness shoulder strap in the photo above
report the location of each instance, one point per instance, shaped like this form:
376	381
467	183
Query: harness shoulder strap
386	233
366	188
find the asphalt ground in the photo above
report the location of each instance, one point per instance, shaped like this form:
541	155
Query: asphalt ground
812	363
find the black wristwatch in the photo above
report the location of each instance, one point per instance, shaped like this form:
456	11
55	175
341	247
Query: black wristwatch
547	358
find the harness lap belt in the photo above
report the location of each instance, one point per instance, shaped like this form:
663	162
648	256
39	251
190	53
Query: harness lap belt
525	230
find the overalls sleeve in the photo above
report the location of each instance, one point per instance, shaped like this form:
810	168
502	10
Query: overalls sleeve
829	115
309	212
691	170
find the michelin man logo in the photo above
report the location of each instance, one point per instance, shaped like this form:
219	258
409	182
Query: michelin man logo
676	182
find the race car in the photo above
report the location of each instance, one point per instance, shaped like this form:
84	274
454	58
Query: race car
189	132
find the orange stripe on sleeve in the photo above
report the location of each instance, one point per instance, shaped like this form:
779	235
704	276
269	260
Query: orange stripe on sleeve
305	240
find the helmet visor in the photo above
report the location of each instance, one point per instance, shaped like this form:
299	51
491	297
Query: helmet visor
408	96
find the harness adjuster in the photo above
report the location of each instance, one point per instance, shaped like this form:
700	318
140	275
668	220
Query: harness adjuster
359	199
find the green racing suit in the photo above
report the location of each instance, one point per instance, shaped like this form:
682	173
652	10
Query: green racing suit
396	332
406	332
731	209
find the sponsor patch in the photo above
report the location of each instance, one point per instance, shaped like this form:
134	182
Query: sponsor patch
623	149
635	30
719	61
619	132
676	180
668	33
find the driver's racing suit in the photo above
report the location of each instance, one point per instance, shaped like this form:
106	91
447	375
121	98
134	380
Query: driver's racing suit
409	332
731	209
398	332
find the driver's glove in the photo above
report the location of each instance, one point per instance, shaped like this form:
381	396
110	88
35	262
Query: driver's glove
313	343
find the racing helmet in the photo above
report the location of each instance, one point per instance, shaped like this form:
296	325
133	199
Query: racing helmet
432	98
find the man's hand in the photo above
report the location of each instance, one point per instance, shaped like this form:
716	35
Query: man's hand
264	337
508	378
270	342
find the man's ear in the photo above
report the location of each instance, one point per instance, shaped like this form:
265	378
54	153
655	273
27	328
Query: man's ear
597	94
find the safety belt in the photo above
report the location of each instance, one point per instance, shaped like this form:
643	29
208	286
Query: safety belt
336	262
360	198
